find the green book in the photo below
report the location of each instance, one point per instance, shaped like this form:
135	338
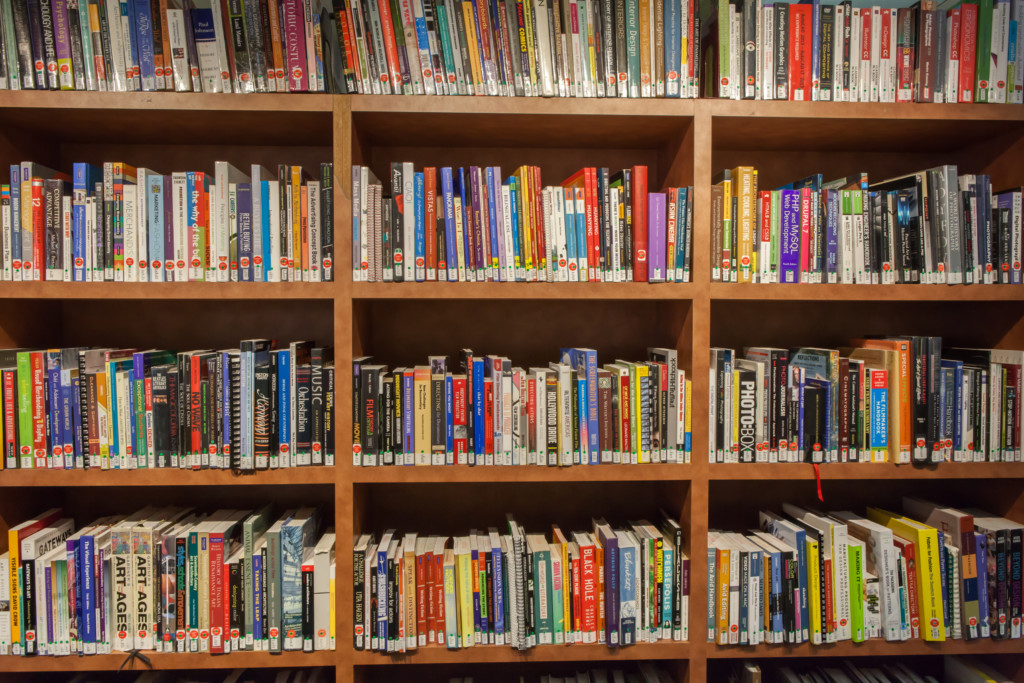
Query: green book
25	409
543	590
983	59
856	555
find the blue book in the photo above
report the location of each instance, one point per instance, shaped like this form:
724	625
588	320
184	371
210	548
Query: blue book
16	216
131	56
264	264
493	263
449	402
581	244
143	24
84	176
479	438
789	248
284	401
673	49
516	250
584	362
257	597
832	219
570	232
420	271
408	424
55	445
451	249
879	411
86	551
981	550
296	536
245	242
498	607
627	592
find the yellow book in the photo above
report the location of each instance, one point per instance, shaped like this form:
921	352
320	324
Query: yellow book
722	563
643	449
333	598
743	176
421	414
474	52
929	573
522	176
464	566
689	414
103	419
295	260
727	227
814	590
531	51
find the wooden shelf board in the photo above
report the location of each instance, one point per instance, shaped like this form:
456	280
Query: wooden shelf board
164	477
532	106
871	648
465	474
778	292
857	111
172	101
214	291
865	471
543	653
111	662
523	290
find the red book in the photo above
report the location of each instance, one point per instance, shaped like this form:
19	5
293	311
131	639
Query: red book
459	428
430	219
39	449
390	46
625	409
38	265
577	599
640	224
829	622
196	408
588	588
347	39
968	43
909	557
428	595
805	233
800	49
884	52
489	417
217	592
10	416
439	626
766	223
421	599
593	226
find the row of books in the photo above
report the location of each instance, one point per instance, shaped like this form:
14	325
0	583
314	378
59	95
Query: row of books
168	579
615	587
467	224
964	52
954	668
938	573
487	412
250	408
892	399
120	223
930	227
194	45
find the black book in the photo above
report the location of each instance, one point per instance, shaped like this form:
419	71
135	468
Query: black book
257	53
319	356
357	409
605	219
387	241
846	29
748	77
77	55
329	420
654	401
35	33
23	39
303	414
174	398
53	197
391	412
235	380
261	414
49	42
782	51
243	75
815	422
620	50
392	598
307	602
161	416
327	221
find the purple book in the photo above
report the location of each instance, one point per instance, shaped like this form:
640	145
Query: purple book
168	224
295	45
656	237
480	250
62	38
789	248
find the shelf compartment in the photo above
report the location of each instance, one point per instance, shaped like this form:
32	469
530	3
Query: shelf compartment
177	324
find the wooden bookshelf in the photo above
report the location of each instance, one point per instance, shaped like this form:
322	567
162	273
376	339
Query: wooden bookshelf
683	142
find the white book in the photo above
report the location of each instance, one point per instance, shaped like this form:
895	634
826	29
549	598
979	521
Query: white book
893	78
224	175
176	269
838	30
131	233
179	50
364	225
66	250
275	270
880	558
1000	51
509	267
562	255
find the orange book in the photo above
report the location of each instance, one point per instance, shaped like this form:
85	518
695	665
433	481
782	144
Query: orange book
276	49
295	259
905	388
645	48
